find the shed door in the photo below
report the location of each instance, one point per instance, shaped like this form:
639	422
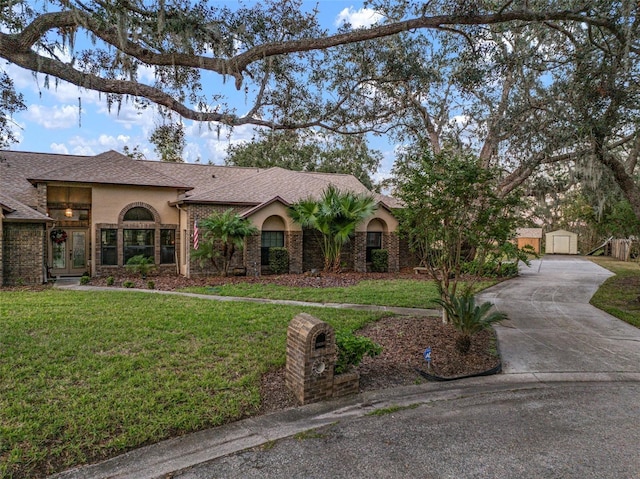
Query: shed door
561	245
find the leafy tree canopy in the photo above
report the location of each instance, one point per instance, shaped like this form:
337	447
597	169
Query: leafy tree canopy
169	142
308	151
265	49
453	214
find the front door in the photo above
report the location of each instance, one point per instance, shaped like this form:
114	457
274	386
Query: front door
69	257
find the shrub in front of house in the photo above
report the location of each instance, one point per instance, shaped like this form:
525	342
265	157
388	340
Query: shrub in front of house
140	264
128	284
110	281
379	260
351	350
279	260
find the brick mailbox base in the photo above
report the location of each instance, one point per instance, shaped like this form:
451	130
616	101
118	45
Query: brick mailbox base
311	358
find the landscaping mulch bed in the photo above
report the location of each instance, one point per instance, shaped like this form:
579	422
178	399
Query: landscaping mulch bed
324	280
403	340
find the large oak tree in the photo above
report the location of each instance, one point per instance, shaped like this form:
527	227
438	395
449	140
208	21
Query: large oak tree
524	83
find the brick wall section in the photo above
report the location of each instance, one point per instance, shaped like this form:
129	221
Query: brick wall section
293	243
406	259
360	253
23	253
346	384
1	248
313	258
391	243
252	259
201	212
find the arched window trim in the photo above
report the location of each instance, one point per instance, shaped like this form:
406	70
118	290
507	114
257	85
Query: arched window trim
139	204
138	211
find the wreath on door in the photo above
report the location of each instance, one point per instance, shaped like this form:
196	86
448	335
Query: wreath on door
58	236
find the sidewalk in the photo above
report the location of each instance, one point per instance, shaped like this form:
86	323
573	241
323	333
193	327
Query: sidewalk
361	307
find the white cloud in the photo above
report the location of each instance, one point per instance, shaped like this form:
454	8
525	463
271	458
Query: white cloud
129	116
79	145
365	17
56	117
60	148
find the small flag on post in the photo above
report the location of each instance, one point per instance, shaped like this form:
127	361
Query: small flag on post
196	233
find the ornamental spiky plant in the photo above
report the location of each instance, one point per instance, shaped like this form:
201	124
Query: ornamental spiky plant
468	318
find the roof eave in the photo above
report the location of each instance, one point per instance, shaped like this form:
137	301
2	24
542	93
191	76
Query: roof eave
35	181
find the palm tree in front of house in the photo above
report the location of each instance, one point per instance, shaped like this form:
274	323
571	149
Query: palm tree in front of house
335	216
222	235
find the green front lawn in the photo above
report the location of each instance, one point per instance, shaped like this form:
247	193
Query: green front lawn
399	292
84	376
619	294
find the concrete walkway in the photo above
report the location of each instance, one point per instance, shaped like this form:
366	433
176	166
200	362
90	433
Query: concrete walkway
562	409
75	285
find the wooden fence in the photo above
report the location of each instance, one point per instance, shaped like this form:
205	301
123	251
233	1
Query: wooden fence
621	249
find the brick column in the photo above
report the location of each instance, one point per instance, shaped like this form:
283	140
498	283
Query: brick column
360	252
293	243
252	258
391	243
42	198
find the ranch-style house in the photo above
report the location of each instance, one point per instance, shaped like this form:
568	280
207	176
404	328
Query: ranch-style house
66	215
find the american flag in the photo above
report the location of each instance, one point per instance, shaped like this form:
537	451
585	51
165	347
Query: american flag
195	235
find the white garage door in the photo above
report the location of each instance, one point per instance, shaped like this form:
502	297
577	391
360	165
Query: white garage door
561	244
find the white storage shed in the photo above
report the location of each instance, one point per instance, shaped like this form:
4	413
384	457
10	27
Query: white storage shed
561	242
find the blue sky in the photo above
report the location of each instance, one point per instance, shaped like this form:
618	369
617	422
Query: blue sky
56	121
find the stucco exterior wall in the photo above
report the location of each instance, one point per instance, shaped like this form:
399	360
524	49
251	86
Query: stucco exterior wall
274	209
383	215
108	204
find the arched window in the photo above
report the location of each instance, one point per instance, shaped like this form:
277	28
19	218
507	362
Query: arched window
375	230
272	237
138	213
139	231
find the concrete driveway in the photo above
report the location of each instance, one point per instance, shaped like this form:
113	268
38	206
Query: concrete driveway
553	328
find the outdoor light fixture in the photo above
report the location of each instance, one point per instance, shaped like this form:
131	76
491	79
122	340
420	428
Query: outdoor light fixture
68	212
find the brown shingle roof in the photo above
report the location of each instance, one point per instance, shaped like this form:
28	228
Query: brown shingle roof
290	186
202	177
16	211
205	183
529	232
112	168
17	166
